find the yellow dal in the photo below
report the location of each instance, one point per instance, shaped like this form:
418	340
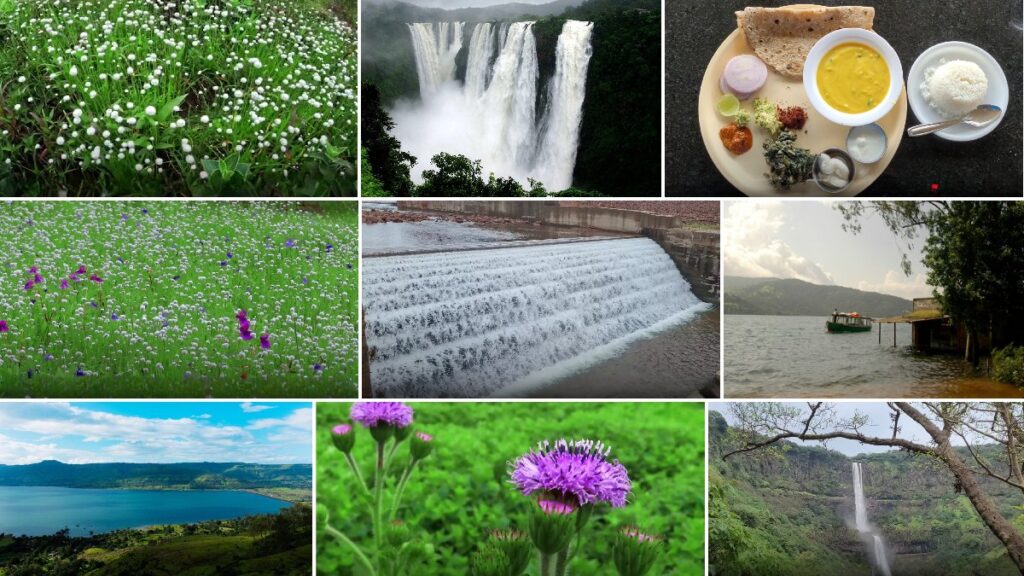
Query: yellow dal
853	78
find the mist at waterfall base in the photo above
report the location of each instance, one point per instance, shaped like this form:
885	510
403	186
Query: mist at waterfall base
868	533
508	321
492	113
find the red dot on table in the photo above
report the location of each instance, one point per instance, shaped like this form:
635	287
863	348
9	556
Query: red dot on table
935	187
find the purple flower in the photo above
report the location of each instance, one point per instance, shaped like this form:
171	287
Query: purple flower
33	270
81	270
305	280
424	436
29	284
230	255
341	429
124	217
318	367
243	324
573	470
245	334
79	372
329	247
555	507
96	279
289	243
223	263
176	277
38	279
115	317
145	211
242	315
372	414
63	283
265	341
3	327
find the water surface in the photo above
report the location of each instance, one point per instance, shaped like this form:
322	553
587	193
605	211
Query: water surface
794	357
41	510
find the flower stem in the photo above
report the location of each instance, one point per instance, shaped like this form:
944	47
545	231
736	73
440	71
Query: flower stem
401	489
355	470
561	563
378	490
545	564
360	556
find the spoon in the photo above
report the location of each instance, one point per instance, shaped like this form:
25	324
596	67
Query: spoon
981	116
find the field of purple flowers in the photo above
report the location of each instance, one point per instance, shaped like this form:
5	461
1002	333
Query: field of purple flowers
178	299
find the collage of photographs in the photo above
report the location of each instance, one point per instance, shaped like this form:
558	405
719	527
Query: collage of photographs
511	288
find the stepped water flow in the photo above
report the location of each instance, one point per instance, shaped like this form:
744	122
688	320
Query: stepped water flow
493	116
878	551
467	324
436	46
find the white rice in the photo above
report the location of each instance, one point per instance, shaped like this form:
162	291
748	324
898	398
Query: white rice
954	88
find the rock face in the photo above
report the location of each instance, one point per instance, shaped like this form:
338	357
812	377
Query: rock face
696	254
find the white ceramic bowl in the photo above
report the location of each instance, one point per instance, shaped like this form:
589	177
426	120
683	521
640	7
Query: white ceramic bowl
861	36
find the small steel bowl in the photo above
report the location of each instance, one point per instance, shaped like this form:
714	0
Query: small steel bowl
833	153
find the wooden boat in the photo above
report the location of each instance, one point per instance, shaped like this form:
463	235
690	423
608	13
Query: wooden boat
848	322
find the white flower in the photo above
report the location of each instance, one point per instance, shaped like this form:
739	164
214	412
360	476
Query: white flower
204	175
150	111
205	119
21	79
60	140
96	153
74	71
284	96
77	113
185	146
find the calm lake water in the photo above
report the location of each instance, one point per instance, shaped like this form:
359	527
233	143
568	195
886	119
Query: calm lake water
793	357
41	510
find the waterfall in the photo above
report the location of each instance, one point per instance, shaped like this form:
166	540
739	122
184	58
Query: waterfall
493	115
557	156
481	50
469	323
878	551
436	48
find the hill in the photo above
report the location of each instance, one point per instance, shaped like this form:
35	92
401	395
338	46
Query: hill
791	297
787	511
179	476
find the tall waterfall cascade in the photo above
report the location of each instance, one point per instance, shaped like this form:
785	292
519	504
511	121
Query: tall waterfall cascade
878	551
493	113
468	323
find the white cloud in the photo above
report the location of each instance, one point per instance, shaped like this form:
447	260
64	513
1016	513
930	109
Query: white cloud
751	246
249	407
898	284
296	427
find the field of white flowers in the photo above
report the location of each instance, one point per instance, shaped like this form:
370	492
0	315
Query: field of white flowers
178	299
177	97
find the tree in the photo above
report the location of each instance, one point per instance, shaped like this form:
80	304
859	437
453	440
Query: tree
388	162
762	425
457	175
974	252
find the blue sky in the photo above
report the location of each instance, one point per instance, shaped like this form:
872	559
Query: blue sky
805	240
81	432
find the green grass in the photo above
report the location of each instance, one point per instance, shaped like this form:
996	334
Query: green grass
178	97
462	491
163	322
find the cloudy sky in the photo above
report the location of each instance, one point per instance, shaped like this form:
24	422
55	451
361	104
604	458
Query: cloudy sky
877	412
76	433
804	240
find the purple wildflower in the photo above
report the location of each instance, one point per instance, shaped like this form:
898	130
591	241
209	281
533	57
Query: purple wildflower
81	270
372	414
341	429
115	317
573	470
243	324
305	280
33	270
145	211
245	334
265	341
48	358
230	255
29	284
38	279
96	279
176	277
242	315
63	283
3	327
289	243
124	217
329	247
80	372
424	436
223	263
318	367
556	507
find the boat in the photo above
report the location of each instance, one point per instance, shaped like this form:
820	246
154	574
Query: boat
848	322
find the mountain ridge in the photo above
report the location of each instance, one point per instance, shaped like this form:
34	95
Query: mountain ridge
792	297
179	475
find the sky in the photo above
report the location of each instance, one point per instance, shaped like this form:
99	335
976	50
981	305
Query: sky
804	240
879	425
156	432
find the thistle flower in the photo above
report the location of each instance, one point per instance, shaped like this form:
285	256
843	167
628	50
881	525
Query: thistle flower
343	437
556	507
576	470
421	445
374	414
635	553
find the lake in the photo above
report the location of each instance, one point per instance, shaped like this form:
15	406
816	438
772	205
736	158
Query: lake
793	357
41	510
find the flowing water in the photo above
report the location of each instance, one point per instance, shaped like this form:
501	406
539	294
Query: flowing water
793	357
492	114
880	558
41	510
515	320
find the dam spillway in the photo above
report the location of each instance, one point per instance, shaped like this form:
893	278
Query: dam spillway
472	323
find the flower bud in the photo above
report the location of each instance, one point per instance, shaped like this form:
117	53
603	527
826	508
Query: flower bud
343	437
402	433
421	445
489	561
634	553
516	547
382	432
552	526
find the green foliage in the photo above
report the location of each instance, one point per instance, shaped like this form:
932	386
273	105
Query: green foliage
388	163
262	545
462	492
247	97
369	186
1008	365
791	297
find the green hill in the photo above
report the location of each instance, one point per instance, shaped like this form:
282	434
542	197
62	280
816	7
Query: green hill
791	297
786	511
179	476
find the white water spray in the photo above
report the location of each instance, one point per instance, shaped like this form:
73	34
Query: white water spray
492	116
878	552
466	324
436	48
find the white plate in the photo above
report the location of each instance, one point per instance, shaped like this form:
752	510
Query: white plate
998	88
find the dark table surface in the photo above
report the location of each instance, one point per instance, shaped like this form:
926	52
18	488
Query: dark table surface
990	166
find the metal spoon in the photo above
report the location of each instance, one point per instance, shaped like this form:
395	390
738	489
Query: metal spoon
981	116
